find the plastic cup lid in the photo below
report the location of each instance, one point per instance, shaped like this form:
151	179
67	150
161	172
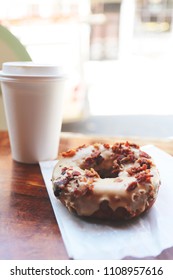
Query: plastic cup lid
31	69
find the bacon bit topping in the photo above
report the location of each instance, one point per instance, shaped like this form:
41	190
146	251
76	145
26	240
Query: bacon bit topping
133	145
85	190
145	161
94	159
95	154
124	146
96	146
134	170
143	154
63	170
83	179
144	177
81	147
122	158
129	158
116	147
116	167
76	173
122	153
131	186
69	153
106	146
113	173
127	144
91	173
69	175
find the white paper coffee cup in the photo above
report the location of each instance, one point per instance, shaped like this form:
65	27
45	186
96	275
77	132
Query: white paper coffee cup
33	98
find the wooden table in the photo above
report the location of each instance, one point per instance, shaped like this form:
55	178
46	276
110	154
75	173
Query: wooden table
28	229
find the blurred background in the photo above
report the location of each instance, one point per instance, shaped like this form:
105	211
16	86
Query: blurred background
118	54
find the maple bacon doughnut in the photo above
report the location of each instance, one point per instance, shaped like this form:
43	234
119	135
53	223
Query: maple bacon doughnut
105	181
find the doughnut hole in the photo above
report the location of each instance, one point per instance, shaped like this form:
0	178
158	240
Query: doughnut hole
106	168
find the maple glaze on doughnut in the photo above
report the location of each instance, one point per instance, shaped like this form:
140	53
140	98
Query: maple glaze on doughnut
105	181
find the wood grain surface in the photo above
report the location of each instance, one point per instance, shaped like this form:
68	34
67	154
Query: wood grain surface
28	229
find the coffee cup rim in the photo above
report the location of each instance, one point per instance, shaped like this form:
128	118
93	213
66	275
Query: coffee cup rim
31	69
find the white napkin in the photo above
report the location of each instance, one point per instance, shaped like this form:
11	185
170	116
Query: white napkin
146	236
